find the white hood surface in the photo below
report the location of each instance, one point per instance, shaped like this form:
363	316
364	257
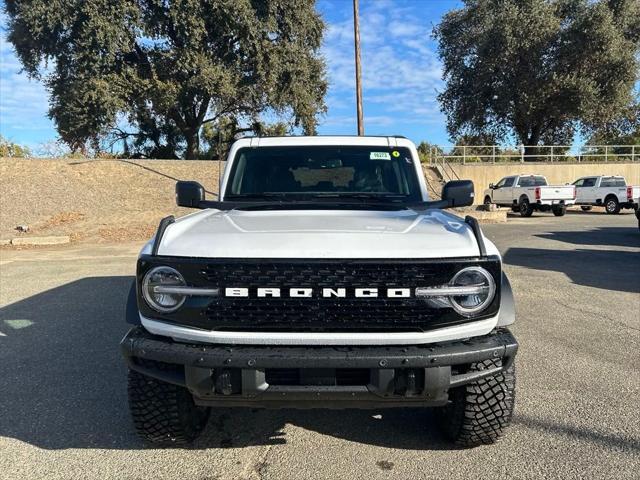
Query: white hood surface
320	234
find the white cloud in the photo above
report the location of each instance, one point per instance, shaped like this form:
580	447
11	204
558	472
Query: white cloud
23	101
400	68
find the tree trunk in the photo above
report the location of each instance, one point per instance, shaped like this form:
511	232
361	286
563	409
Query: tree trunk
193	145
531	141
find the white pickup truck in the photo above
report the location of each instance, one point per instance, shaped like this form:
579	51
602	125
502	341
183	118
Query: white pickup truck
526	193
610	192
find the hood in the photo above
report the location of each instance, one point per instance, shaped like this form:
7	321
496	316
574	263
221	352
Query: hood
319	234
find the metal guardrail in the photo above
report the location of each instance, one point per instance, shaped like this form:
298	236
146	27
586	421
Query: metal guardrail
469	154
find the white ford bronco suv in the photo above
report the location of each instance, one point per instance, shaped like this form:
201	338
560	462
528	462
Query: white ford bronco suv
527	193
323	277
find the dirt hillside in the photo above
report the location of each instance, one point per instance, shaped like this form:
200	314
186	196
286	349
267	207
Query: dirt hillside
96	200
101	200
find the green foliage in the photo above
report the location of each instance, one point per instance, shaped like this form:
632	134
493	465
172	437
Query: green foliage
219	136
151	73
426	150
11	149
538	69
624	131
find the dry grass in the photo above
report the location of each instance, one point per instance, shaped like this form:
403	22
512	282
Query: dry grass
99	200
95	200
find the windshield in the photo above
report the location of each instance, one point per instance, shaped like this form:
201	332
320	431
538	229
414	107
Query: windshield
309	172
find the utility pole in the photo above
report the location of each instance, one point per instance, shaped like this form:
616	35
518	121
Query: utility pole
356	35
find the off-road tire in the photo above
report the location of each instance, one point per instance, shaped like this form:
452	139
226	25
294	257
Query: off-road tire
479	412
586	208
164	413
487	202
611	205
525	208
559	211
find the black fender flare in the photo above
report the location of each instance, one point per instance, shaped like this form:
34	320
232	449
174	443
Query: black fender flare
131	313
507	314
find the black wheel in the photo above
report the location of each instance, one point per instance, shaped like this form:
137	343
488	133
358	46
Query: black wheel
559	211
164	413
586	208
479	412
487	200
526	210
611	205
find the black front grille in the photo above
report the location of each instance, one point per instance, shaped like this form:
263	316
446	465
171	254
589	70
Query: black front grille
318	313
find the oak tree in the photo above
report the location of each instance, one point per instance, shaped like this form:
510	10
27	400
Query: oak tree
152	72
538	70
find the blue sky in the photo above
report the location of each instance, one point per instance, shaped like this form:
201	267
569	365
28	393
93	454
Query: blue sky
401	75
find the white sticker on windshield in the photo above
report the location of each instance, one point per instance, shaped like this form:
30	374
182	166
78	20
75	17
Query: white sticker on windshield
379	156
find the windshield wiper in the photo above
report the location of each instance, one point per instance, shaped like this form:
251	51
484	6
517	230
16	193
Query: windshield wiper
377	197
258	196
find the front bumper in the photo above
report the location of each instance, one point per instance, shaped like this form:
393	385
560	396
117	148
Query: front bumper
390	376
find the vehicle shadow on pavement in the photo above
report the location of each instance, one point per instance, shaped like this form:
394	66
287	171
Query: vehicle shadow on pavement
607	440
61	374
407	429
63	384
604	236
592	268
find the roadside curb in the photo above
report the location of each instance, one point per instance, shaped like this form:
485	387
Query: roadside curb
58	240
483	216
498	216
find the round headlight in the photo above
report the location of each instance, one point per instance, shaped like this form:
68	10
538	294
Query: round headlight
485	290
152	289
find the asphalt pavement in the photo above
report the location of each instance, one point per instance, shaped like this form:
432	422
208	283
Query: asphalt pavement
63	406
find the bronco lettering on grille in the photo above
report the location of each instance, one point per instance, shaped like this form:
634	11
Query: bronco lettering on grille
301	292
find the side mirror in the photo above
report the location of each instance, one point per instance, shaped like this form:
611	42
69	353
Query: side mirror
491	186
459	193
189	194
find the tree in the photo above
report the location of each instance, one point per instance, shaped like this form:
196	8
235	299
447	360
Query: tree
624	131
537	70
150	73
11	149
623	135
218	137
426	150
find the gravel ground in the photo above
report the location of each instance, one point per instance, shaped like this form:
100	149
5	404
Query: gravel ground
63	410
